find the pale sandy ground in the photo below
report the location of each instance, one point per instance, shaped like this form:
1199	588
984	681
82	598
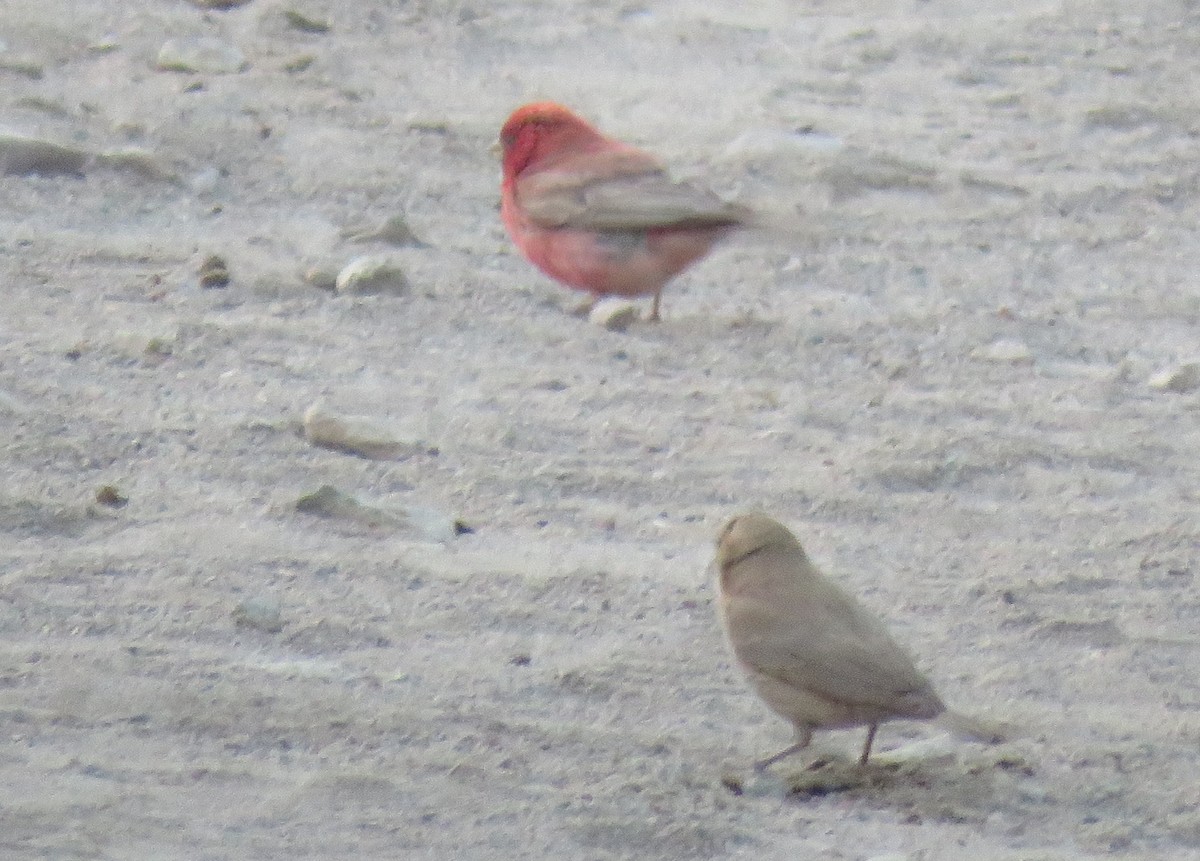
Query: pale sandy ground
1025	513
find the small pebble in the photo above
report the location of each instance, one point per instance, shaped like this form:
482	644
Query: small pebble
299	63
372	275
106	44
1181	378
615	315
360	435
108	495
305	23
214	273
203	54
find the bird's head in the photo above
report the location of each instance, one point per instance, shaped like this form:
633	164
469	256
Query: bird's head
751	533
539	131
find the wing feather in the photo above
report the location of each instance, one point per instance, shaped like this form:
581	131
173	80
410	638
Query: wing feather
619	191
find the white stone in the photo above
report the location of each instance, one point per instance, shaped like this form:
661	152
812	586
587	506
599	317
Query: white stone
361	435
202	54
616	315
1184	377
372	274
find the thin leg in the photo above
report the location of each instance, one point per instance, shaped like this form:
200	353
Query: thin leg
862	760
803	737
654	318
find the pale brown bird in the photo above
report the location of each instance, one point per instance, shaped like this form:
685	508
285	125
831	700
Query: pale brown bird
811	651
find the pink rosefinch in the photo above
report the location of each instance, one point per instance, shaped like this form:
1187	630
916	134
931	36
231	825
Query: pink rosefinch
597	214
812	652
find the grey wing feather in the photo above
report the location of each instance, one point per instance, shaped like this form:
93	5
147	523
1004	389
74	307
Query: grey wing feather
626	202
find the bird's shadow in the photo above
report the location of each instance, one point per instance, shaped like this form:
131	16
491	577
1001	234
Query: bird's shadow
959	789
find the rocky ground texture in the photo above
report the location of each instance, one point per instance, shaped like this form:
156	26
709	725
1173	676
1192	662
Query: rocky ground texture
309	556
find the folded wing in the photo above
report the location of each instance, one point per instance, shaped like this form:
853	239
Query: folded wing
619	191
